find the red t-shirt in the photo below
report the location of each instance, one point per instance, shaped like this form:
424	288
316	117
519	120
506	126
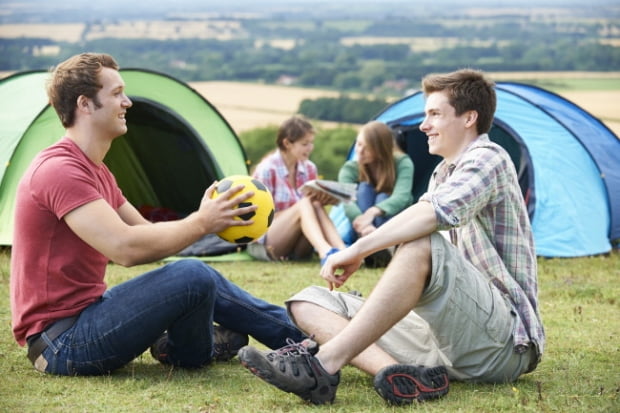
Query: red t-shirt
54	274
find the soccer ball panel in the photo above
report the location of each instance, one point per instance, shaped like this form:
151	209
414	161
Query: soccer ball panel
224	185
262	217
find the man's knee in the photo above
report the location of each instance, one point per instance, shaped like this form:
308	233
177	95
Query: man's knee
415	255
301	310
197	275
419	248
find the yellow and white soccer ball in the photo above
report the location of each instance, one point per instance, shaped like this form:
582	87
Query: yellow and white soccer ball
262	217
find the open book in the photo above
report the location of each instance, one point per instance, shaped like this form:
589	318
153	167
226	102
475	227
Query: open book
343	192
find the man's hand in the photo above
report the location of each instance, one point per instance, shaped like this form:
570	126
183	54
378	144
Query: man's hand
339	267
363	224
219	213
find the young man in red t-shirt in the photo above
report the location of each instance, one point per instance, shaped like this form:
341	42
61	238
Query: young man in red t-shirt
72	219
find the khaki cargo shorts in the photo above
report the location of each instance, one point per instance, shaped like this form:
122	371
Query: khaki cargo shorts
462	321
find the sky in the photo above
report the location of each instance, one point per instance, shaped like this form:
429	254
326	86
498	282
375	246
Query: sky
69	11
121	6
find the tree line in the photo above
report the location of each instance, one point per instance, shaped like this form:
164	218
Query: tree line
318	64
320	58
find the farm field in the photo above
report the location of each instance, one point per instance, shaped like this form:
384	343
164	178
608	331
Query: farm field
138	29
251	105
248	106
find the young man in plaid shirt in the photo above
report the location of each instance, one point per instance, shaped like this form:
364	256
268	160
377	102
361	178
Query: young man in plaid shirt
459	309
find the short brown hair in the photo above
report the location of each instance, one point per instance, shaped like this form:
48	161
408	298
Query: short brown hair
467	89
74	77
293	129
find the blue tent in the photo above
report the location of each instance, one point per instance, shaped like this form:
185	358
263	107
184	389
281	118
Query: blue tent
567	160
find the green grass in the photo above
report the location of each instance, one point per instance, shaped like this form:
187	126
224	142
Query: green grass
580	372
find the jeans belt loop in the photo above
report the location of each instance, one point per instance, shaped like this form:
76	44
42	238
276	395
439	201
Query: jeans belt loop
38	345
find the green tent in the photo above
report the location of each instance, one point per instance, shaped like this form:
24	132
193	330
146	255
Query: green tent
176	145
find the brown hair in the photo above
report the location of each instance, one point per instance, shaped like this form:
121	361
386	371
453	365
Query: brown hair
293	129
381	173
467	89
73	78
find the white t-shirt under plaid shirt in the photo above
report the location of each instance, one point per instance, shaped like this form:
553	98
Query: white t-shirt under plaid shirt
479	200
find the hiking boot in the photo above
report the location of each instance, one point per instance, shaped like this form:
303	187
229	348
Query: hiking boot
403	383
226	343
378	259
159	349
293	369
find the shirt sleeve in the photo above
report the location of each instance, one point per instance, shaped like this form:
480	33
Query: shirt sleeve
76	188
401	196
349	174
467	190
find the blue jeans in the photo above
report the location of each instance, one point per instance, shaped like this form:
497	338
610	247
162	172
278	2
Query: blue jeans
367	197
183	298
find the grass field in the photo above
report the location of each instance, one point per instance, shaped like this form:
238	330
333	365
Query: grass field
580	306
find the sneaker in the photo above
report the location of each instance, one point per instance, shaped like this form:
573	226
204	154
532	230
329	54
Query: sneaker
378	259
293	369
403	383
226	343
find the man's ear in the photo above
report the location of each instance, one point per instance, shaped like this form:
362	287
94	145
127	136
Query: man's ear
83	103
471	118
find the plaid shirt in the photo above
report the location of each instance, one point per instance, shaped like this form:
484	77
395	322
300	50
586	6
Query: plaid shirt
478	199
273	173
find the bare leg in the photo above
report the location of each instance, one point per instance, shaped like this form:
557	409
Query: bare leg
284	233
324	325
396	293
300	228
312	227
328	228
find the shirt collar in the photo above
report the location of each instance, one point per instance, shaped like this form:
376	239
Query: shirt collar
301	166
481	140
